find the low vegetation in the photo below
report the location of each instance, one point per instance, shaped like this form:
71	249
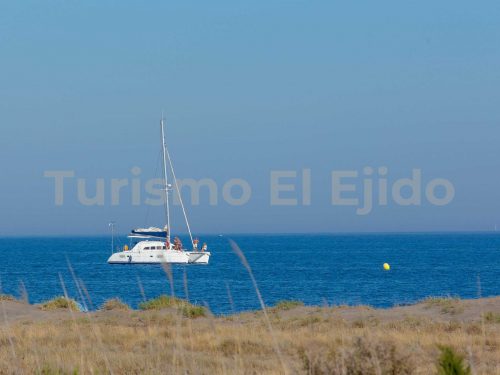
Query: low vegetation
451	363
114	304
364	356
192	311
7	297
492	317
161	302
447	305
288	305
167	302
60	303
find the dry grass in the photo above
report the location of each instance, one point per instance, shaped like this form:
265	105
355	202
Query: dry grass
447	305
312	341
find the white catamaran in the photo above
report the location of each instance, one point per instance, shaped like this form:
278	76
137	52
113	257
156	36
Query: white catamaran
154	245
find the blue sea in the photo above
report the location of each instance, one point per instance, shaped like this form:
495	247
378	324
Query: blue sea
316	269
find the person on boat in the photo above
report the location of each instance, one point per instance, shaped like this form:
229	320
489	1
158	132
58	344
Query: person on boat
177	244
205	247
195	244
167	244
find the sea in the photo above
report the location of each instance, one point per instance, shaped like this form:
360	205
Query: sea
316	269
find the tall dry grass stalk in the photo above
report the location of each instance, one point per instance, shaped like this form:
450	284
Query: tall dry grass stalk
77	284
23	292
238	353
190	328
177	354
241	255
168	271
6	328
75	325
148	324
86	301
94	327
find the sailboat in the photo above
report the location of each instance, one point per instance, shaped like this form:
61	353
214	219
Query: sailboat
153	245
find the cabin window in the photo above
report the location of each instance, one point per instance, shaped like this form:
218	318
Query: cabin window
146	248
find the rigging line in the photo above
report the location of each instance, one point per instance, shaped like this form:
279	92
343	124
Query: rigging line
179	195
148	207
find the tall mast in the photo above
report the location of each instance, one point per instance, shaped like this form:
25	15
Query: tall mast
165	177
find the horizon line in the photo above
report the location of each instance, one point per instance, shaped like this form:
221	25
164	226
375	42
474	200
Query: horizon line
228	234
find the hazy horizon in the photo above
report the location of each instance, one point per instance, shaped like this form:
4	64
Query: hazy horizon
264	234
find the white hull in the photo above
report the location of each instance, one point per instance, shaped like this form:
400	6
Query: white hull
154	252
149	257
198	257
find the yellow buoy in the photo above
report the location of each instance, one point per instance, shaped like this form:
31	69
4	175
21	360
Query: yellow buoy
387	267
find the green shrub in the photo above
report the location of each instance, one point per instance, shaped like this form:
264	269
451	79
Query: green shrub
115	304
288	305
7	297
451	363
48	370
163	302
491	317
60	303
191	311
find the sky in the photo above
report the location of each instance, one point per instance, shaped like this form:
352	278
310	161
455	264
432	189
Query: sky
248	88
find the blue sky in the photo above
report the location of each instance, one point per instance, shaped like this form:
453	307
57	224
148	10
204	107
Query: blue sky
249	87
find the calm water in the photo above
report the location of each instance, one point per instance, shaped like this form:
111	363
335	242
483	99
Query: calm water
315	269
